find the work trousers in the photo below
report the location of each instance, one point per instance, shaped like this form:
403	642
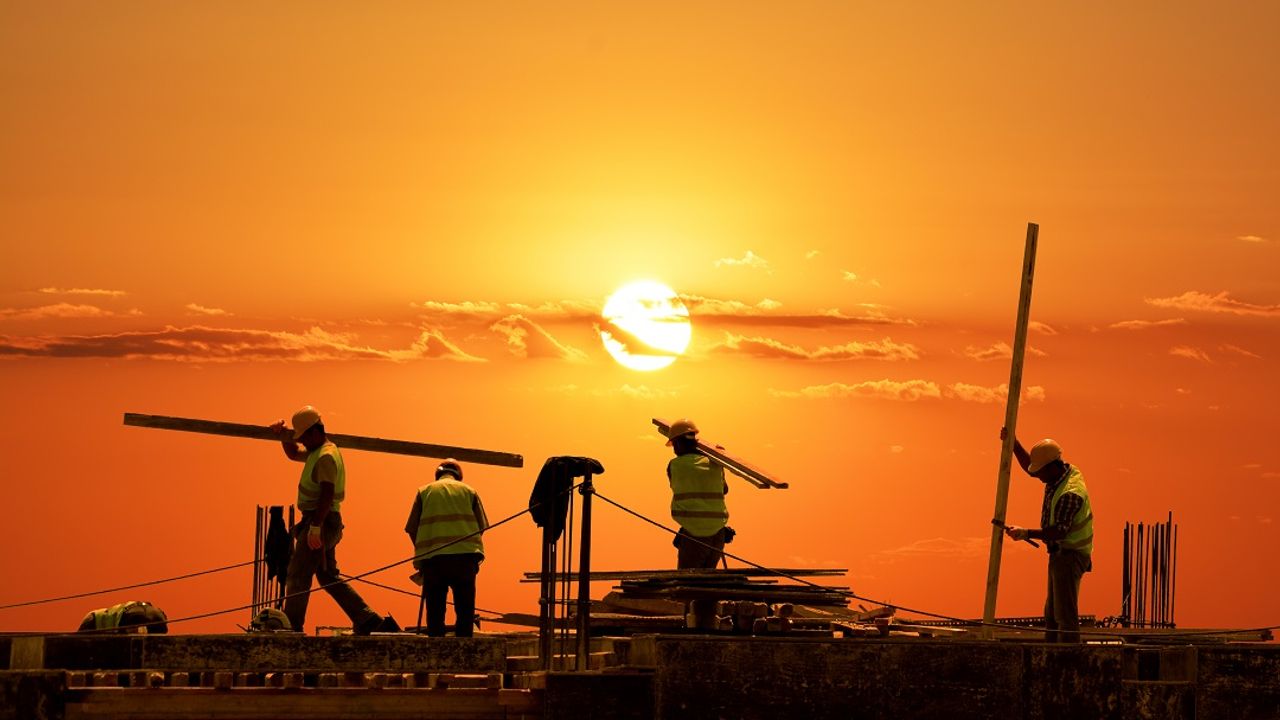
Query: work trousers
696	555
1062	601
322	565
443	573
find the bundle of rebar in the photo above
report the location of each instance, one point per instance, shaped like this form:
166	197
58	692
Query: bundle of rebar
1149	574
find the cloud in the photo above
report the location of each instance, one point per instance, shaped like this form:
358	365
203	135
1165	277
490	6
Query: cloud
1182	391
1252	239
634	392
997	394
194	309
1146	324
206	344
1220	303
1271	475
527	339
629	342
853	278
965	547
58	310
466	308
81	291
1190	353
1042	328
812	254
999	351
750	260
717	311
1239	351
905	391
484	311
763	347
896	449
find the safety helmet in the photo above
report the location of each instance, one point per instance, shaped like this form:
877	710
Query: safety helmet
450	466
304	419
1043	453
683	426
270	619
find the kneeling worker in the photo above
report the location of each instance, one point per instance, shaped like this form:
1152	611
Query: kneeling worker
443	512
132	616
698	488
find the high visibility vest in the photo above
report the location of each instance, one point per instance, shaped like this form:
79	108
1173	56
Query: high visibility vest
309	489
697	494
448	514
1080	535
109	618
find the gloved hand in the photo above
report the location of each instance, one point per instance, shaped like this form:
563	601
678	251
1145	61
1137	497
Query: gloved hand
313	538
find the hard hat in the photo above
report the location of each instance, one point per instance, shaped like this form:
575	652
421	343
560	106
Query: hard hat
683	426
1043	453
304	419
449	466
268	620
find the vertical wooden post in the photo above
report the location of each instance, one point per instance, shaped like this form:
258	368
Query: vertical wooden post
584	576
1010	423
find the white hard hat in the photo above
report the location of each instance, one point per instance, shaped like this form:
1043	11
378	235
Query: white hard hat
1043	453
683	426
304	419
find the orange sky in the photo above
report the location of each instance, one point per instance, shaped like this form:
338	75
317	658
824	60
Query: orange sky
409	214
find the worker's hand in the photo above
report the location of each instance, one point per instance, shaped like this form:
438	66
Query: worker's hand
1004	433
282	432
313	538
1017	533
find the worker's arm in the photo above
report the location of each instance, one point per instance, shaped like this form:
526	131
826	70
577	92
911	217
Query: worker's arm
1068	505
1019	452
478	508
325	473
415	519
292	449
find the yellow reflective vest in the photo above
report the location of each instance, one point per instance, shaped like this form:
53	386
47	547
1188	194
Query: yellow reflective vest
1080	535
448	514
697	494
309	488
109	618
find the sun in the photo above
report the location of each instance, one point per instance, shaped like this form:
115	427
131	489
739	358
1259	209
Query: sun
646	325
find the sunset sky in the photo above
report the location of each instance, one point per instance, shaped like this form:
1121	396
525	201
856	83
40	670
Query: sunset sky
411	214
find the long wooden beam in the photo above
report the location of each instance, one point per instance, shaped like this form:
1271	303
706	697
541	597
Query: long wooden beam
735	465
352	442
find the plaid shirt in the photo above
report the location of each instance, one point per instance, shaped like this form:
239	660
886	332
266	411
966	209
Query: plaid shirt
1068	506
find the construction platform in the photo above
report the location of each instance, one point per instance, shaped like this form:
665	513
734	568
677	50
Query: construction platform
56	677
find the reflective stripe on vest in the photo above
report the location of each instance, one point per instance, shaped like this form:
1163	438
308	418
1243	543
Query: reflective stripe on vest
309	488
448	514
1080	535
109	618
697	495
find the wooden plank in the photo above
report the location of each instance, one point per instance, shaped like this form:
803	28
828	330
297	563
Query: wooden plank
694	575
735	465
351	442
1010	422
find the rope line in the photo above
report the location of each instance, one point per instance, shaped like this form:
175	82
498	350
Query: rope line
45	601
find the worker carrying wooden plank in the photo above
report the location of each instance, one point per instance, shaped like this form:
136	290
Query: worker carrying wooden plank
322	488
698	489
1066	526
446	524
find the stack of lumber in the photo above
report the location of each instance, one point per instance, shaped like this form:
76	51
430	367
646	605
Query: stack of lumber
747	584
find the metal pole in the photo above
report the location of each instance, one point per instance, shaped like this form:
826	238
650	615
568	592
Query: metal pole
257	561
1010	424
584	576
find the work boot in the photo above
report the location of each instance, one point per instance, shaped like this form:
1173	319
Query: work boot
389	625
368	625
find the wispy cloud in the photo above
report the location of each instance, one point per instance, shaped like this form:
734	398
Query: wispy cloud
527	339
938	547
207	344
1042	328
81	291
58	310
1237	350
999	351
852	277
1190	353
485	311
1146	324
750	260
1252	239
812	254
905	391
766	313
764	347
1220	303
997	394
194	309
633	392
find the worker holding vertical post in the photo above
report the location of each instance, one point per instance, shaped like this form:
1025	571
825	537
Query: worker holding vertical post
446	524
698	488
321	490
1066	526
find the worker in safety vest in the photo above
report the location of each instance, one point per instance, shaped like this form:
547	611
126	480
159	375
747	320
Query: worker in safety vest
445	524
1066	527
698	488
132	616
321	490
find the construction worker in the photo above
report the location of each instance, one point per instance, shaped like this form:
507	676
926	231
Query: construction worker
132	616
321	490
698	488
445	525
1066	527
